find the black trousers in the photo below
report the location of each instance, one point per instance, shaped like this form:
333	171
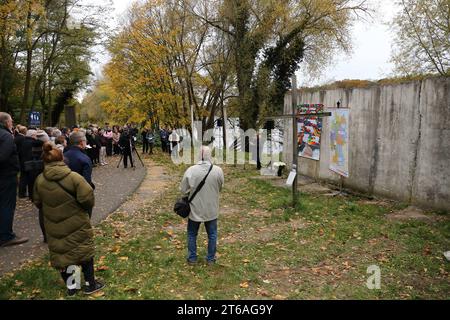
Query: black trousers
127	154
31	177
88	271
116	149
145	146
164	145
109	148
96	155
26	183
23	184
8	194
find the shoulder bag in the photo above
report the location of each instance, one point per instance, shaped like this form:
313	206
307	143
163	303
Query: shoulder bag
182	206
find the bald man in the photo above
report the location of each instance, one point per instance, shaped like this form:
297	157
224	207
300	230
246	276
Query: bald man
205	206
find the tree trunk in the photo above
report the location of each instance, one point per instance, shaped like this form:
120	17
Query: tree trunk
26	91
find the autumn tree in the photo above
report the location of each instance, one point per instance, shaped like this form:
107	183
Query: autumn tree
44	57
422	43
271	38
164	62
181	54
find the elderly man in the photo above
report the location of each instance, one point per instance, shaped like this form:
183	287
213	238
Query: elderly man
205	206
9	167
76	158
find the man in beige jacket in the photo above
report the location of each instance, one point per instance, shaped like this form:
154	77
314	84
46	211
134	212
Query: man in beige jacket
205	206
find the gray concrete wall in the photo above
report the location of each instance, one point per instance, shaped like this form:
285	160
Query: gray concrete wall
399	140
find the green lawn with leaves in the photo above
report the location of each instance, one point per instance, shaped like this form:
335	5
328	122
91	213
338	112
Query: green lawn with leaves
266	250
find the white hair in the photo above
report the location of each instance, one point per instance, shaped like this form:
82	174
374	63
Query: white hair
31	133
56	133
4	118
205	154
42	136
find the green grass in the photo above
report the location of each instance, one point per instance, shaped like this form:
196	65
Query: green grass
267	250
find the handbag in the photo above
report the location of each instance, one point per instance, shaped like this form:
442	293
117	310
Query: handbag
34	166
183	206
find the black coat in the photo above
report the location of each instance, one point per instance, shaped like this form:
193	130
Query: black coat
91	140
98	141
125	143
9	157
18	140
26	151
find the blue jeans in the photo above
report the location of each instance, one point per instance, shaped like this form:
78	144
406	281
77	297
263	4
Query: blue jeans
192	232
8	194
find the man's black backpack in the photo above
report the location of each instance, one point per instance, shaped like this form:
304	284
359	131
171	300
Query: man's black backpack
182	206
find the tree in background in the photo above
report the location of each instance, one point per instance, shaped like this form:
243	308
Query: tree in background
270	39
164	62
45	50
178	54
422	44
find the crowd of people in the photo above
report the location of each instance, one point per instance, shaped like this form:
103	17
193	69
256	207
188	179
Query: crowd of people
53	168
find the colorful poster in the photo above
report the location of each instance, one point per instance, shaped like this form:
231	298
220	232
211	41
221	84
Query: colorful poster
339	140
309	131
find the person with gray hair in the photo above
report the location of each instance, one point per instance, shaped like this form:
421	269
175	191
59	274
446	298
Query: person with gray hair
9	167
76	158
205	205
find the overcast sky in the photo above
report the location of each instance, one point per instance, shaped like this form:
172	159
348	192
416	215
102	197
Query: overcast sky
371	48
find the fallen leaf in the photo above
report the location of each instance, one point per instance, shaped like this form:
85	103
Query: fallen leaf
347	265
123	258
98	294
427	251
244	285
264	293
102	268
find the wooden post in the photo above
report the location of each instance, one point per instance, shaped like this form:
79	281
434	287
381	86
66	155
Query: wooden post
225	121
294	141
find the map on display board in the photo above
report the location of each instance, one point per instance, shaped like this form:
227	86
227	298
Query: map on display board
339	141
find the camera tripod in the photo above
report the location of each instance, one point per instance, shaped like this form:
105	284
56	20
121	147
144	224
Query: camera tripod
133	149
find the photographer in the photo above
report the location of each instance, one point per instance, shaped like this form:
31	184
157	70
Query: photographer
126	145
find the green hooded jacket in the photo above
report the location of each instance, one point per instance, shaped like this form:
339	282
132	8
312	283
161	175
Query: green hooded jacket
67	223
